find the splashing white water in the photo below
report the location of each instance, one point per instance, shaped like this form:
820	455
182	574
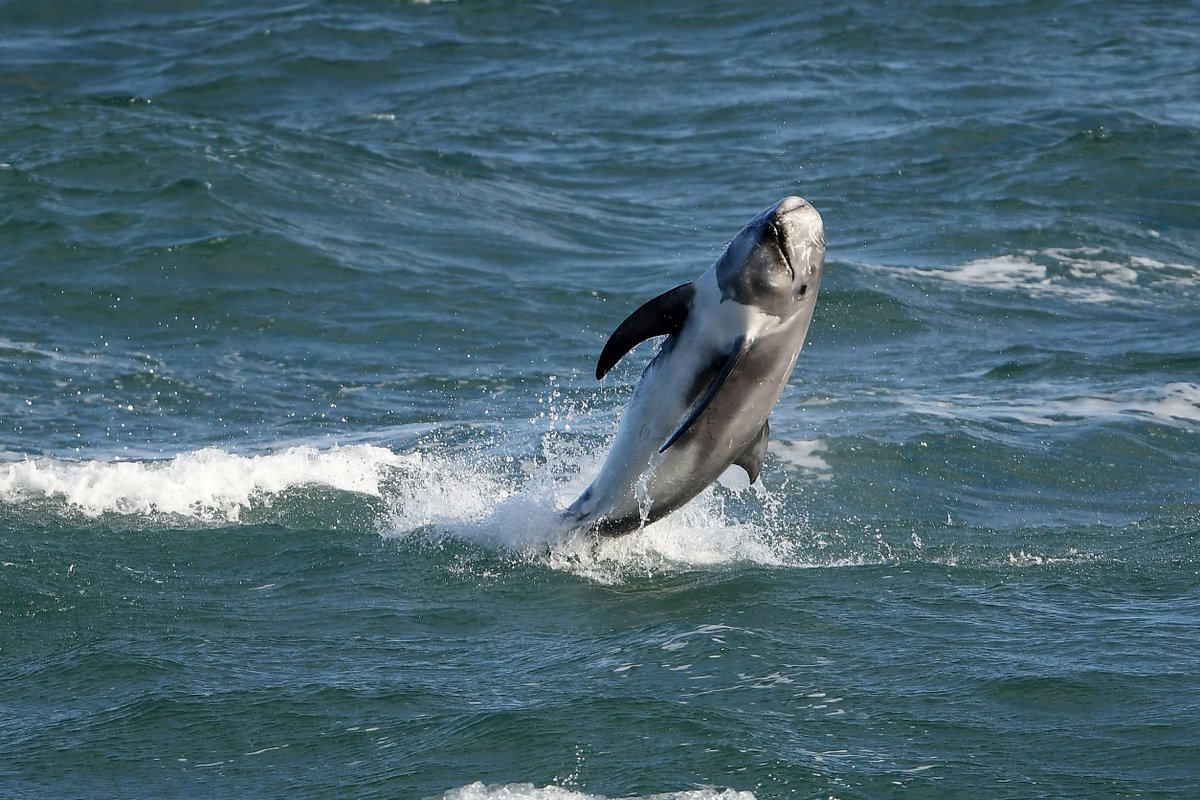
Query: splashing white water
208	485
451	496
497	503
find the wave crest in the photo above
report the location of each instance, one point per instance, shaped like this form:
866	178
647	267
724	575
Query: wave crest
208	485
497	502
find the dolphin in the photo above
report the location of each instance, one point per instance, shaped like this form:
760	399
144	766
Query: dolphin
733	337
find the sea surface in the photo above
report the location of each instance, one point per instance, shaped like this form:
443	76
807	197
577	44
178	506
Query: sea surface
300	304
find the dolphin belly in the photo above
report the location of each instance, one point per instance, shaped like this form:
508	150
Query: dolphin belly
621	498
638	485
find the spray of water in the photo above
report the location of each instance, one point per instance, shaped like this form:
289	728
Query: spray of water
504	495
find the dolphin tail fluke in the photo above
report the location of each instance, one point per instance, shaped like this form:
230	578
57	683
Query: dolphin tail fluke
752	459
662	316
731	360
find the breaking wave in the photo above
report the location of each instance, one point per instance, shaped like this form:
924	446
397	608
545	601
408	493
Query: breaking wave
500	503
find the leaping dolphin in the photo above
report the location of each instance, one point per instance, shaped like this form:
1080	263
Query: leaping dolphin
733	337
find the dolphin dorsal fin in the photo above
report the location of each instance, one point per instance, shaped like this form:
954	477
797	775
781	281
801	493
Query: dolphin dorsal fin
731	360
662	316
752	457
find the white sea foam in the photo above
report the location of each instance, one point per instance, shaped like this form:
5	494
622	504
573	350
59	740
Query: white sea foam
458	496
1175	404
208	485
804	455
1085	274
527	791
696	536
30	349
498	502
1021	558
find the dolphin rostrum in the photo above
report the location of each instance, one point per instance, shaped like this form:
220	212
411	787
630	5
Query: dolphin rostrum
733	337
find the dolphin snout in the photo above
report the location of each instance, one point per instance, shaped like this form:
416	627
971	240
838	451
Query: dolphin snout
798	232
789	204
796	220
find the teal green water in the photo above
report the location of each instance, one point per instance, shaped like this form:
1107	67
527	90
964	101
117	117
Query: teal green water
301	305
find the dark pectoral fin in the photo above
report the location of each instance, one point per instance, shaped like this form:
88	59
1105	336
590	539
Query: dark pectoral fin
752	458
662	316
731	360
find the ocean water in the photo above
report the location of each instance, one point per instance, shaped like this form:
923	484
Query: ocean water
299	312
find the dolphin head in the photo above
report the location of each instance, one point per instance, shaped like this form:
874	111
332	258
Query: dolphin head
775	262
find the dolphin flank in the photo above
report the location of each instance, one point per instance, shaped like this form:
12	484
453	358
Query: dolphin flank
733	337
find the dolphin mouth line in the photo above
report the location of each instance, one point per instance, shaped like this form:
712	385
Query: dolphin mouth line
779	245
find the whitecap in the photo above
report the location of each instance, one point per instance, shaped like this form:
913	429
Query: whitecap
507	504
208	485
1175	404
1082	274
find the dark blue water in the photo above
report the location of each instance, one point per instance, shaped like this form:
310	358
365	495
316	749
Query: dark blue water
300	308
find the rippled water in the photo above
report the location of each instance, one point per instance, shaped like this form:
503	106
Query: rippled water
301	305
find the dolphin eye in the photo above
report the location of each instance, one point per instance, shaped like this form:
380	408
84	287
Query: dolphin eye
803	289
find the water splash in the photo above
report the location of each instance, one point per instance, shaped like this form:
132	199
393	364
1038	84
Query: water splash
497	500
451	496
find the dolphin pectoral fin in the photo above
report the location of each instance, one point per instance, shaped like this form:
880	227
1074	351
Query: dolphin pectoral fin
662	316
731	360
752	459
